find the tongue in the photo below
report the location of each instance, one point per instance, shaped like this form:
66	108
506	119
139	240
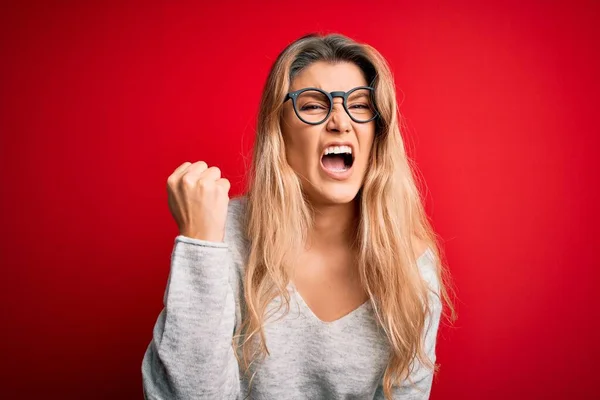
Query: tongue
334	163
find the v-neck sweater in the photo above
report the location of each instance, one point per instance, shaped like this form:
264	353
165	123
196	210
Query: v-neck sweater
191	356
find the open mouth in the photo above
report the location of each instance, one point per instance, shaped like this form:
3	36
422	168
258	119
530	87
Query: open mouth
337	162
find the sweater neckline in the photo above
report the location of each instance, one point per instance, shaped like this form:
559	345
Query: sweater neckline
343	320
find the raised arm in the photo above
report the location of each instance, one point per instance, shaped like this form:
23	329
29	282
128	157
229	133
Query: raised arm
191	355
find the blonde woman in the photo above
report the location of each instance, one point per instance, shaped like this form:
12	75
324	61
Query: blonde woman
324	281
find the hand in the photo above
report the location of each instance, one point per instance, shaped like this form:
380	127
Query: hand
198	201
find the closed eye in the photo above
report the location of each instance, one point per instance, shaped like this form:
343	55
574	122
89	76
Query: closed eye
312	107
360	106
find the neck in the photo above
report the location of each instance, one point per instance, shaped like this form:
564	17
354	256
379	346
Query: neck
334	226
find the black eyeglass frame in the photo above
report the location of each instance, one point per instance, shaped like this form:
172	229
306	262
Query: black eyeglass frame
331	96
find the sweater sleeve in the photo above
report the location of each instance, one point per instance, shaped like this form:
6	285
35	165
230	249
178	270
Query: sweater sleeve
190	355
422	377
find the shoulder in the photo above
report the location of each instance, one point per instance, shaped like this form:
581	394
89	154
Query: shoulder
237	206
420	246
423	253
427	263
234	225
235	235
235	238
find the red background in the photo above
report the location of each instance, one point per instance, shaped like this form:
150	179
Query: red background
100	102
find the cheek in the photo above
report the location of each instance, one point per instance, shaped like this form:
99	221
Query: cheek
366	144
301	148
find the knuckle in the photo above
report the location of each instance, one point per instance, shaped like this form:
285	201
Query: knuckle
214	171
179	170
197	167
204	183
224	185
189	180
171	180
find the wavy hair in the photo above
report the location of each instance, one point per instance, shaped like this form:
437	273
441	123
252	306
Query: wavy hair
391	215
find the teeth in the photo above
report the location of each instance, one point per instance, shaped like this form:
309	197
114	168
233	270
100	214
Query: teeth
338	150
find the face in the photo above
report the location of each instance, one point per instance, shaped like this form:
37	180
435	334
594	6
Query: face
328	179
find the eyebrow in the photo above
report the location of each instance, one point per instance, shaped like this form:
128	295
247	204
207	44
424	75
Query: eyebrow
329	91
359	94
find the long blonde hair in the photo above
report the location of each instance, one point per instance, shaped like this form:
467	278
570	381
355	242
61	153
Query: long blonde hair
391	214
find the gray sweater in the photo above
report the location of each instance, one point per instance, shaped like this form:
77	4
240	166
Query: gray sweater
191	356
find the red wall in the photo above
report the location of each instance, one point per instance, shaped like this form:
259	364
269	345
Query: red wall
99	103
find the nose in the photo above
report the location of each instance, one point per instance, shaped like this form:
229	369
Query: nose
339	120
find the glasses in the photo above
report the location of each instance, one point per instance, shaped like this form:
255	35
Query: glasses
313	106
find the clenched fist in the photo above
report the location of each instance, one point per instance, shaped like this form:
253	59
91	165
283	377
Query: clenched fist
198	200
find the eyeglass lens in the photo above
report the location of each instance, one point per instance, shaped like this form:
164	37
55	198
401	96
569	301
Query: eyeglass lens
313	106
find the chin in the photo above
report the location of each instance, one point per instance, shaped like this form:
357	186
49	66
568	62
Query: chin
337	194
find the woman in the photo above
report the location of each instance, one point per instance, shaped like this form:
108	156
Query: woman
324	282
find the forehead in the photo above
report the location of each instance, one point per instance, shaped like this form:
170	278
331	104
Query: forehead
329	77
